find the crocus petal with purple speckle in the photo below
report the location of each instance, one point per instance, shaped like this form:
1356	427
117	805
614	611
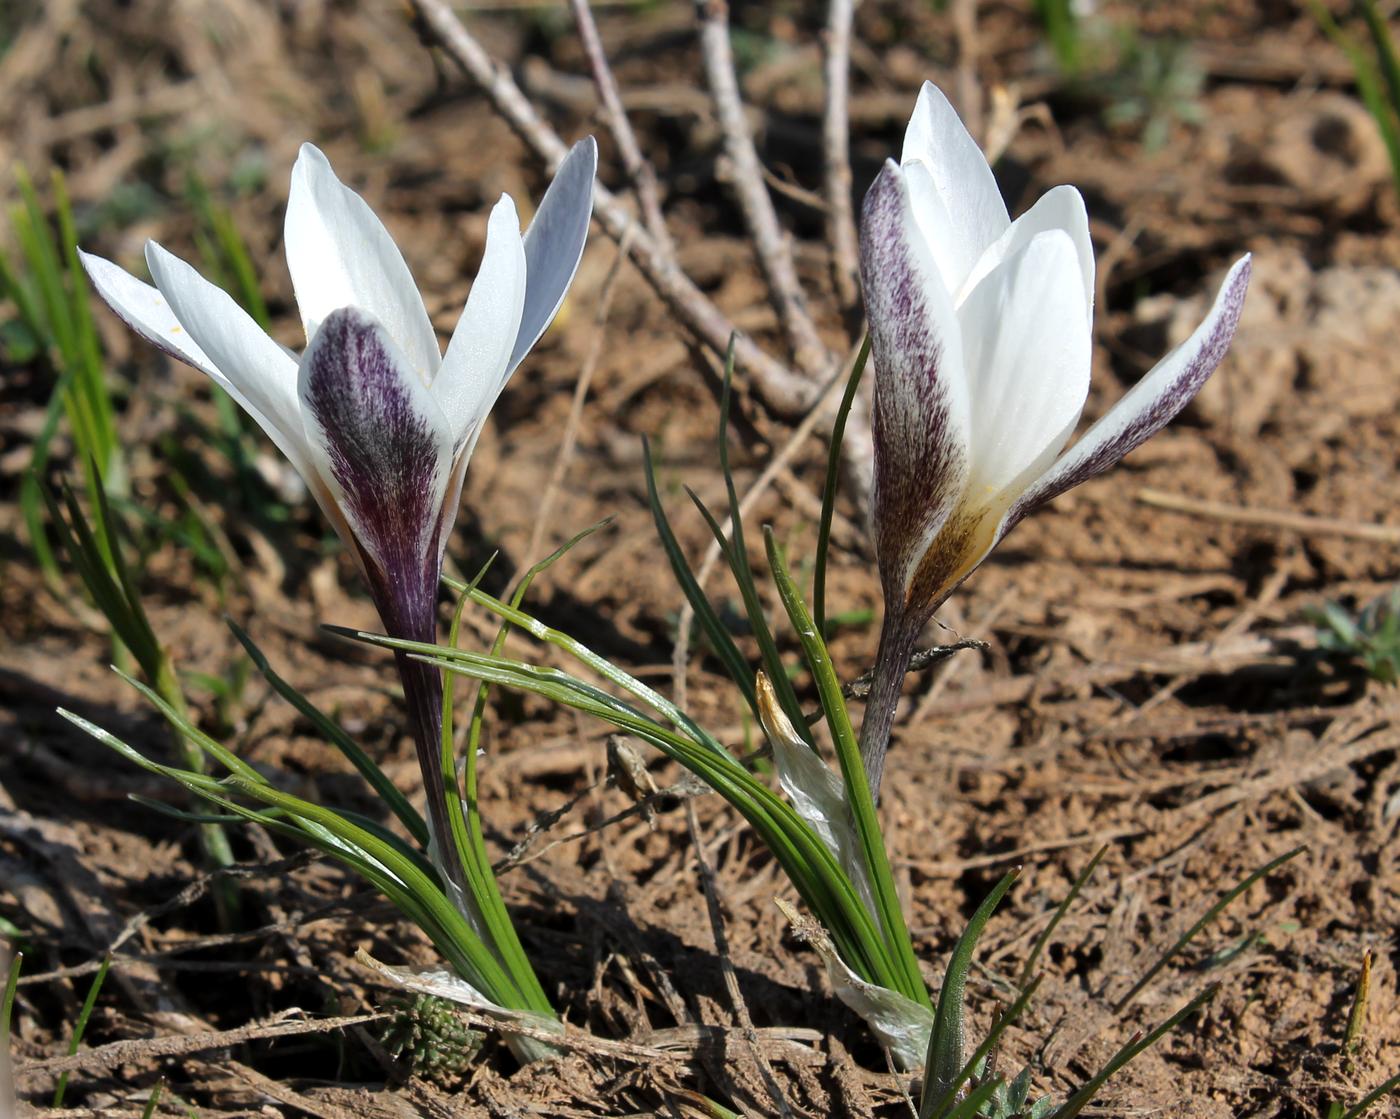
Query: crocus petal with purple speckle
922	413
384	446
1149	405
980	333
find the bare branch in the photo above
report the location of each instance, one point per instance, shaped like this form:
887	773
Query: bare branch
639	169
836	151
746	175
964	14
782	392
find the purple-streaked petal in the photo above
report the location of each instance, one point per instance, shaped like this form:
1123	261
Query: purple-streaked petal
1027	347
1061	207
340	255
1147	406
554	244
385	450
956	199
921	418
478	357
234	349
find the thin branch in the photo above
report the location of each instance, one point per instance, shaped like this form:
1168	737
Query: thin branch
1305	523
639	170
782	392
836	151
859	688
964	14
746	176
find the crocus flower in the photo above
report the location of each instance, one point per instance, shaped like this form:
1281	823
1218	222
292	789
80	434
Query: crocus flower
980	332
375	417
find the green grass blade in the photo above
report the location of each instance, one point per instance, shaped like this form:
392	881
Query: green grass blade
88	353
943	1068
736	665
808	863
1210	915
862	803
7	1003
830	486
576	649
1384	44
941	1107
1373	1097
465	814
1077	1102
185	817
1044	938
487	974
153	1099
80	1026
971	1105
735	556
1368	85
335	734
142	639
196	737
379	863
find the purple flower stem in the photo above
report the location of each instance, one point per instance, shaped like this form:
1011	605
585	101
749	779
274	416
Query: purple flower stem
898	635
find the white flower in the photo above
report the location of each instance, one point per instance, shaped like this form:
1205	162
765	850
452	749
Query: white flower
980	334
374	416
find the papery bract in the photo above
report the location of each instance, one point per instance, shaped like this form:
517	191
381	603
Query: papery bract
980	332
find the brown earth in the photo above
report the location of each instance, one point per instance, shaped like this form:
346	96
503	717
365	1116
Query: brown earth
1150	682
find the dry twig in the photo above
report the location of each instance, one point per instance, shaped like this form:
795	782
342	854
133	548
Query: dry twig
639	170
746	177
1305	523
117	1053
781	390
836	151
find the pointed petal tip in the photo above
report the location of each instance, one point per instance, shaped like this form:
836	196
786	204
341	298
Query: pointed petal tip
1150	404
589	146
504	209
554	243
309	155
888	181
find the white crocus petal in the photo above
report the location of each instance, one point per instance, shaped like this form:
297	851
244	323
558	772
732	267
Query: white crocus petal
340	255
554	244
254	367
1061	207
922	415
147	312
384	448
1027	348
478	356
1147	406
956	199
